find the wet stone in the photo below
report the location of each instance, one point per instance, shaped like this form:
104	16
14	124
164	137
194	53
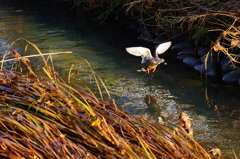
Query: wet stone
206	69
179	47
190	60
232	77
228	66
181	57
201	52
186	51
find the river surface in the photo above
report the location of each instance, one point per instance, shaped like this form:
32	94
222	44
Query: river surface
213	106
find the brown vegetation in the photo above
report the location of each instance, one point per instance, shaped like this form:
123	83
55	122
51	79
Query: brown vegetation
206	23
45	117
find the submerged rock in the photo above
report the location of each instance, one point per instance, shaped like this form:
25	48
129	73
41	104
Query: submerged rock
159	32
228	66
134	26
179	47
206	69
141	30
181	57
232	77
190	60
210	58
188	51
224	60
201	52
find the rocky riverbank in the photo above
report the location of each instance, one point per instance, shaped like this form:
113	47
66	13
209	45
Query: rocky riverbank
205	34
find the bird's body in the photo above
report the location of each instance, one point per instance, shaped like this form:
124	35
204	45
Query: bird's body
151	61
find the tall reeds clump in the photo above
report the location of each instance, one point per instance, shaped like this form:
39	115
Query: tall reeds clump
43	116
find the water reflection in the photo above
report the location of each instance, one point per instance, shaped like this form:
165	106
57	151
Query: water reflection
171	89
156	111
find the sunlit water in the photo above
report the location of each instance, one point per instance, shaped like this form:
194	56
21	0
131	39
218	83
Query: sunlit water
175	87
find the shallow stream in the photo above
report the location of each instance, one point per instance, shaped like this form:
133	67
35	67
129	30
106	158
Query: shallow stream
213	106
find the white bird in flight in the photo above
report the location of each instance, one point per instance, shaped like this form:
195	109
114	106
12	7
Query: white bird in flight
151	61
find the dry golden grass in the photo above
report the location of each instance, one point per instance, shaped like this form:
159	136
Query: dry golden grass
44	117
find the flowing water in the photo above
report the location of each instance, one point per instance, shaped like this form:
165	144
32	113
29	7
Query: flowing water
213	107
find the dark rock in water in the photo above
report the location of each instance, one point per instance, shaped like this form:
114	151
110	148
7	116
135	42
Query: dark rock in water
179	47
206	69
210	58
186	51
141	30
145	36
190	60
201	52
181	57
224	60
134	26
232	77
228	66
159	32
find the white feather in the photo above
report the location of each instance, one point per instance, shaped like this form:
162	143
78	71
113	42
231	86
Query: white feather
163	47
145	53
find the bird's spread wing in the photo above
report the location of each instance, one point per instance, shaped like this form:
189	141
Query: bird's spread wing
163	47
145	53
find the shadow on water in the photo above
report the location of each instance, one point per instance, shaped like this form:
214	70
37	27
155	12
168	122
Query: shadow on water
173	88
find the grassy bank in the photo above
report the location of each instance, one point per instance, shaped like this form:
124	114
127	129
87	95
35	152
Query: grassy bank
46	116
